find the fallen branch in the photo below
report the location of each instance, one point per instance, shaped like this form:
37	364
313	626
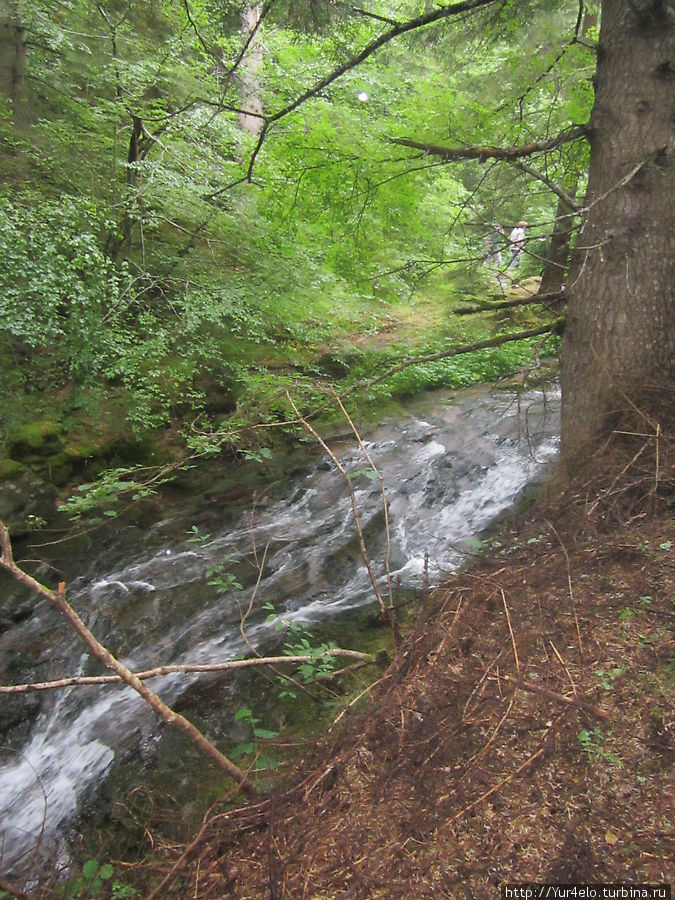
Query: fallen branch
386	616
58	599
487	305
81	680
551	328
494	789
393	617
554	695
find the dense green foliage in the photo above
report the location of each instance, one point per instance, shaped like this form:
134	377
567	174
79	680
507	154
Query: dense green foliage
144	258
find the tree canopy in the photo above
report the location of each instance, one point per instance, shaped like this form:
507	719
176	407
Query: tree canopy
137	212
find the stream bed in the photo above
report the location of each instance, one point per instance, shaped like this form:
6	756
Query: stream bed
451	463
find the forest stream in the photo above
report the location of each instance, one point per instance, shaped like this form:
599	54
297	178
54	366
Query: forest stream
450	466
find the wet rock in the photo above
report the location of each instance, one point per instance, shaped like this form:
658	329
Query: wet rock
25	502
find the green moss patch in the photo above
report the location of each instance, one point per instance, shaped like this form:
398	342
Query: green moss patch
10	468
35	439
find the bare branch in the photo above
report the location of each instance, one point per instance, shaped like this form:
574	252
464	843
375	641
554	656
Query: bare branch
486	305
395	31
385	507
386	616
81	680
557	190
193	25
551	328
372	15
579	702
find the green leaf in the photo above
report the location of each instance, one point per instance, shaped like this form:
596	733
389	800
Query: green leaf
264	734
90	868
242	750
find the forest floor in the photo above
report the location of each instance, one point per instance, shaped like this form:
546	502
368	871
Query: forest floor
522	733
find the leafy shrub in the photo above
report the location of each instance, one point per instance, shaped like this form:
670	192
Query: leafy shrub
59	294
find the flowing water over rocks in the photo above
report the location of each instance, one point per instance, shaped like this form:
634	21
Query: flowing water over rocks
449	467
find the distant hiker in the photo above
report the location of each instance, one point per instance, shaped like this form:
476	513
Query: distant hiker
517	242
493	260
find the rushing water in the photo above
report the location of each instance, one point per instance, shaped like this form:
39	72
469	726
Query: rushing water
450	466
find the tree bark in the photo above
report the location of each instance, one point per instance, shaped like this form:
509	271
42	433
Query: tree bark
618	348
251	120
558	252
13	65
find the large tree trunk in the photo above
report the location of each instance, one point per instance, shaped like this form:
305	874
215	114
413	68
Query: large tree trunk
558	252
13	64
250	73
618	348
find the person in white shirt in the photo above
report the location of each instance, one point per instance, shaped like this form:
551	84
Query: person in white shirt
517	242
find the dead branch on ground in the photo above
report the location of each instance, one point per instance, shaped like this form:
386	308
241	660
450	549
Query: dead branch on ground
579	702
487	305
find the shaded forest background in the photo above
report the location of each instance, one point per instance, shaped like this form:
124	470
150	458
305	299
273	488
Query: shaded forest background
161	266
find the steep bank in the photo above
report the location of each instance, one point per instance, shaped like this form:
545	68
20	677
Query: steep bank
524	732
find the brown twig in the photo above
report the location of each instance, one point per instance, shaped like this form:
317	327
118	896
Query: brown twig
554	695
494	788
564	665
385	506
570	589
513	638
352	495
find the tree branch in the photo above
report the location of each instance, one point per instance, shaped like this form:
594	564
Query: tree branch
80	680
486	305
551	328
58	599
579	702
386	615
395	31
557	190
452	154
372	15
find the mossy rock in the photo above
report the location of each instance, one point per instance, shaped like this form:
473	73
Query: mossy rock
58	468
10	468
35	440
